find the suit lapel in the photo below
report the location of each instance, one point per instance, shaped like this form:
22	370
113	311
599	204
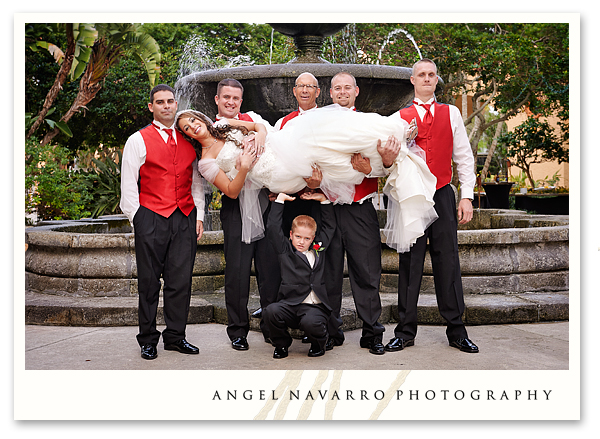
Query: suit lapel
302	256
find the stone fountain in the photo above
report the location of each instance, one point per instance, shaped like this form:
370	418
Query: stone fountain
268	88
515	266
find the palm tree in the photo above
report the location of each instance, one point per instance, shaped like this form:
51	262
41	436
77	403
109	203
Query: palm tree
115	40
80	37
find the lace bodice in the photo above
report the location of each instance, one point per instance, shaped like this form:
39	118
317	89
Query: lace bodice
263	174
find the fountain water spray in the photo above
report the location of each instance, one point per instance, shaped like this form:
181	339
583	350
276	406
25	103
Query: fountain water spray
389	37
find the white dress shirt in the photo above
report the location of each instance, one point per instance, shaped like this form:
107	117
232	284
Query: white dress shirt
256	118
134	156
280	121
461	149
312	298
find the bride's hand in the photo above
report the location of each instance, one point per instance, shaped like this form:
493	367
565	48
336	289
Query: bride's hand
260	139
247	159
248	141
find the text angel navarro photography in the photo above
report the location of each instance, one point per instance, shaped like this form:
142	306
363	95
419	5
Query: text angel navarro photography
378	395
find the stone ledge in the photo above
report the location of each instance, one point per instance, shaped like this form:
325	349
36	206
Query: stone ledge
484	309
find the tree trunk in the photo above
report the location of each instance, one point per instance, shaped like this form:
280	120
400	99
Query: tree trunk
529	176
488	159
85	94
91	83
61	77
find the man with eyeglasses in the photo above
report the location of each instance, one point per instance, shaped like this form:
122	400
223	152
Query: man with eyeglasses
306	90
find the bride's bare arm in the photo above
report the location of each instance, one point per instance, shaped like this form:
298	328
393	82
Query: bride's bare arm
232	188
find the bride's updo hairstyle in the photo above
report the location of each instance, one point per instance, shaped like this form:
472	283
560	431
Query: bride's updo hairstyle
220	132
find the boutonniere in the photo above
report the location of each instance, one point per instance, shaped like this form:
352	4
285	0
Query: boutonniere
318	246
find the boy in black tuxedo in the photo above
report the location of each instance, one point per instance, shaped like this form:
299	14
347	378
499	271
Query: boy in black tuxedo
302	301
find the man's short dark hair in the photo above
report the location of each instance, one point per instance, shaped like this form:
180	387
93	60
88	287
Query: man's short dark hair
160	87
229	82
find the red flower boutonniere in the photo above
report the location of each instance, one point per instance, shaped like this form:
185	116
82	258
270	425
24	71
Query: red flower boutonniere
318	246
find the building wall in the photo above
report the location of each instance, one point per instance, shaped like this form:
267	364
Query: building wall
541	170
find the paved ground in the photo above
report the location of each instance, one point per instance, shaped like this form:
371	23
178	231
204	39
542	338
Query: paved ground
535	346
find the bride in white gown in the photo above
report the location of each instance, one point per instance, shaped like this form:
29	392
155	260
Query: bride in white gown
241	165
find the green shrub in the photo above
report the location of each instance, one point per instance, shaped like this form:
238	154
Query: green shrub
104	185
52	189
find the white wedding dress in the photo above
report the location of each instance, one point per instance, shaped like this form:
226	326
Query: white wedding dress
327	137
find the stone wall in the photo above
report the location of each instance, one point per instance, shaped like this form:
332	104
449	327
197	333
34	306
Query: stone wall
501	251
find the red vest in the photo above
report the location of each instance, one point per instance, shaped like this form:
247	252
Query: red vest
166	178
436	141
241	116
244	116
289	117
366	187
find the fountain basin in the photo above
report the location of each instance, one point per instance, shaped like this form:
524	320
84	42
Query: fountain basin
509	251
268	88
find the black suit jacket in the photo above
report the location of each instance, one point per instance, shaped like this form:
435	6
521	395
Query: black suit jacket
297	276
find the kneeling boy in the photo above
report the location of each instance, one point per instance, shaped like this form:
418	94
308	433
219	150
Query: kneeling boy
302	300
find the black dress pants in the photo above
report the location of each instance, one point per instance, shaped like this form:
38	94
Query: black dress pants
238	267
443	249
164	247
357	234
312	319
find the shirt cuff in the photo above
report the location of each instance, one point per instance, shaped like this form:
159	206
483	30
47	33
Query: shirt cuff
466	192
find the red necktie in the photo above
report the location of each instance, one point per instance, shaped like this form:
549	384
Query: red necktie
428	119
170	141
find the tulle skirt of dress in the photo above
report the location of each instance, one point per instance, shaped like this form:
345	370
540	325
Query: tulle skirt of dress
328	137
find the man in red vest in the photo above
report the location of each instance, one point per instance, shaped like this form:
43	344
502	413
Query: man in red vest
357	234
239	255
229	99
306	90
442	135
162	195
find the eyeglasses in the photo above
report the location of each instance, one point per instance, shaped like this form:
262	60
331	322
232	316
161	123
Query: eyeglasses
309	87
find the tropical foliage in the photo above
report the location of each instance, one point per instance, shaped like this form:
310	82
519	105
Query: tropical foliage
92	80
104	185
52	189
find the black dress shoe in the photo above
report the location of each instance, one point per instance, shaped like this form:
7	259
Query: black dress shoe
305	339
182	346
397	344
281	352
149	351
331	343
257	314
465	345
373	344
316	351
240	344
